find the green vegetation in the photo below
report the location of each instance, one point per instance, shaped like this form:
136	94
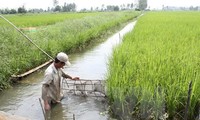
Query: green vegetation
43	19
150	71
55	33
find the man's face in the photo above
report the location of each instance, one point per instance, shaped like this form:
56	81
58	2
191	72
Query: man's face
61	64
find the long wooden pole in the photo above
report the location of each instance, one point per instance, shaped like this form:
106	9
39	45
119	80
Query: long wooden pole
26	37
42	109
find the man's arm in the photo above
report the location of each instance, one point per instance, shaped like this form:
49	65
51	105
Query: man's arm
68	76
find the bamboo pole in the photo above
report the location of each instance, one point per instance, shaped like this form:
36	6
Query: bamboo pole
44	114
26	37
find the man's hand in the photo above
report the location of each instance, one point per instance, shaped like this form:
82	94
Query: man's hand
75	78
57	101
47	106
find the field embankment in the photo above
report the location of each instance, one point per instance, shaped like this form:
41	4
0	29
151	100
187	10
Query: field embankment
53	33
149	73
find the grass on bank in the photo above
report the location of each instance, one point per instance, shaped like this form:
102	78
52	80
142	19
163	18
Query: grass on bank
150	72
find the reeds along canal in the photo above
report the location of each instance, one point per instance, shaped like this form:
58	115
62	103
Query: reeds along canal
22	99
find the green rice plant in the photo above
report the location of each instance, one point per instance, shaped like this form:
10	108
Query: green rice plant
158	59
42	19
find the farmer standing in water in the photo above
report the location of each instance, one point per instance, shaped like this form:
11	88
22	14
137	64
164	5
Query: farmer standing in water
51	86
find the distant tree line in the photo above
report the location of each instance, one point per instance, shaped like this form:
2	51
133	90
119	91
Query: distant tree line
66	8
13	11
170	8
71	7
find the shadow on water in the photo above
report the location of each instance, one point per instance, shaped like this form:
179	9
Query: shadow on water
23	99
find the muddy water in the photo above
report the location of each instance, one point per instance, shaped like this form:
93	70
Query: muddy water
23	99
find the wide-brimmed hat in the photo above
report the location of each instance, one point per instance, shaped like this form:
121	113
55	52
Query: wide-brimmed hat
63	57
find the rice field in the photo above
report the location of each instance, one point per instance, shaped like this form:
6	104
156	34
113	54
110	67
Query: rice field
149	73
53	33
42	19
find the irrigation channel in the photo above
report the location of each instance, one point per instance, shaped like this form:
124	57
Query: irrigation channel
23	98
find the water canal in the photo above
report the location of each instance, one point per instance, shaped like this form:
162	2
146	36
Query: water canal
23	98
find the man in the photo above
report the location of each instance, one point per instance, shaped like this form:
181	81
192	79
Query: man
52	80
